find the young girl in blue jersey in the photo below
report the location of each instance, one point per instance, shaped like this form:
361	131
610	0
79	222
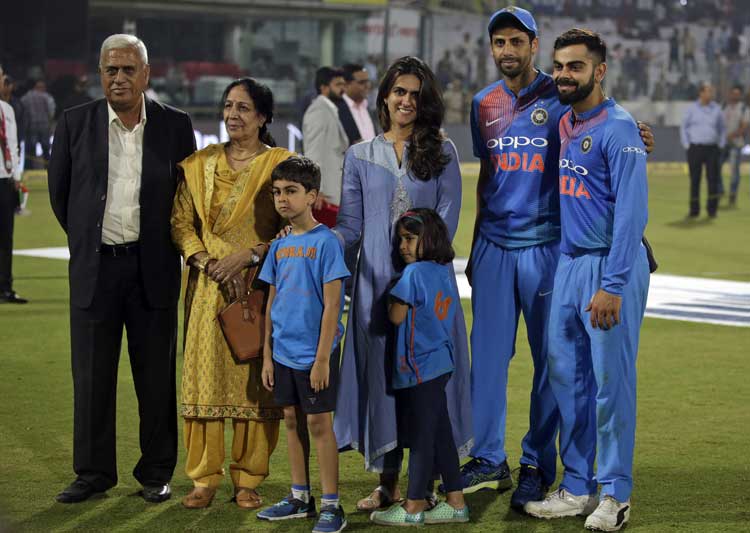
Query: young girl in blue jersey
423	303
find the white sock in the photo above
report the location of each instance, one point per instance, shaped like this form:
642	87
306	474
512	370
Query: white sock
329	499
301	492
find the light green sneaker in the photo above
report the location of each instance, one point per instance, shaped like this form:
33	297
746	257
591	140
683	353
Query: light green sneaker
397	516
443	513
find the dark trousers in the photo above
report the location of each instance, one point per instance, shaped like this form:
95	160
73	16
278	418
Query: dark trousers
34	135
430	437
8	202
96	338
698	156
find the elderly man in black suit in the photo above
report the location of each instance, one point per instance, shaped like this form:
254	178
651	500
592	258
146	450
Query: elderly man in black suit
112	179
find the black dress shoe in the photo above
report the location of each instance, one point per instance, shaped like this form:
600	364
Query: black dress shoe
10	297
156	493
78	491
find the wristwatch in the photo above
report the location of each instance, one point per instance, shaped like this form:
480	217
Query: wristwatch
254	259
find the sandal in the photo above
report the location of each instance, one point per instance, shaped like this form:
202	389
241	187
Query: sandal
199	498
379	498
247	498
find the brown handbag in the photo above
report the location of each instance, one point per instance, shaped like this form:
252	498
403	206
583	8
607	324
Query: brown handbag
243	321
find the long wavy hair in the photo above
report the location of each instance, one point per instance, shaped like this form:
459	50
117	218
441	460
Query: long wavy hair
426	158
262	98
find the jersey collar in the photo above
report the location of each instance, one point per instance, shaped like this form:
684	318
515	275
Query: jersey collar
608	102
523	92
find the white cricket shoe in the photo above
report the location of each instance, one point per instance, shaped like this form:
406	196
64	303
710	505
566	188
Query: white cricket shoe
610	515
562	503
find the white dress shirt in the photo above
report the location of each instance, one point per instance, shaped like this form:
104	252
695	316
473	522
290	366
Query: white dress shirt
122	212
361	117
11	134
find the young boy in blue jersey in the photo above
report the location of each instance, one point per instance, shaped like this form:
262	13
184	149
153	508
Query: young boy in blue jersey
303	329
601	285
423	304
515	249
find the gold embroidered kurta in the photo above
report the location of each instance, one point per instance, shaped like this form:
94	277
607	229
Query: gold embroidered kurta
221	211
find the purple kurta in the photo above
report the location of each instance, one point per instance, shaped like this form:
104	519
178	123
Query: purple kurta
376	192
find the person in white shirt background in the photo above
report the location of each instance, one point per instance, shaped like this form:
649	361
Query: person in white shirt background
10	183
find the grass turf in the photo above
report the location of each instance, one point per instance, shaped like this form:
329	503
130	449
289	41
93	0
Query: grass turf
690	474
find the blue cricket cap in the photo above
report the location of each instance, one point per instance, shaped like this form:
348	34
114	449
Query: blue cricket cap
512	13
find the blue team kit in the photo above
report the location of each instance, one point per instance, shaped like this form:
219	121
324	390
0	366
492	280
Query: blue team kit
513	260
603	198
519	137
424	346
298	266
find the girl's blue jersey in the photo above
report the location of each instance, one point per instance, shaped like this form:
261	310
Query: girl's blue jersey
519	138
603	189
424	348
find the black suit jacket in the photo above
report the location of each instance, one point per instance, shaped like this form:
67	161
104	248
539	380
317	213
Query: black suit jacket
347	120
77	175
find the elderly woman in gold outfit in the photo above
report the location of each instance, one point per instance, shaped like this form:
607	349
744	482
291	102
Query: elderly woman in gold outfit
223	212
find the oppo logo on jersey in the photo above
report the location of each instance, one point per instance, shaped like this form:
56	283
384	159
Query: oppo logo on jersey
634	150
516	142
570	165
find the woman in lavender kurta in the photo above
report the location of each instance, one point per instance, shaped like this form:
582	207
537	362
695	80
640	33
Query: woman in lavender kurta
410	165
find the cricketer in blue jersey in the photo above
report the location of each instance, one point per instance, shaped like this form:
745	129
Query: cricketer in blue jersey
515	250
514	254
601	285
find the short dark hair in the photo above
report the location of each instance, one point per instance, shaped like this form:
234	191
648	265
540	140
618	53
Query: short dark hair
591	40
511	22
324	76
298	169
434	242
738	87
349	69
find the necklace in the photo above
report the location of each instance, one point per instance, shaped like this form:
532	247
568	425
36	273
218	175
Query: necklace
256	152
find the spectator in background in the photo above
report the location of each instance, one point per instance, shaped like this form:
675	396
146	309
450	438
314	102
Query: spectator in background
630	70
722	39
661	89
39	107
457	102
688	50
737	119
10	183
640	68
326	141
345	114
733	46
355	96
79	95
703	135
709	48
9	96
674	50
444	72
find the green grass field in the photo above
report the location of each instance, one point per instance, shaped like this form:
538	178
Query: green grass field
690	474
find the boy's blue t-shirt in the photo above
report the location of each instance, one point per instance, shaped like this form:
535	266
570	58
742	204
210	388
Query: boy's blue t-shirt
603	189
298	266
518	138
424	348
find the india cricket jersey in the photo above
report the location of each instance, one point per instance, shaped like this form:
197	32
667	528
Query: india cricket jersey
603	189
519	138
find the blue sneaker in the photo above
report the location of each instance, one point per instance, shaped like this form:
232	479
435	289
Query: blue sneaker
530	487
287	509
480	474
331	520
